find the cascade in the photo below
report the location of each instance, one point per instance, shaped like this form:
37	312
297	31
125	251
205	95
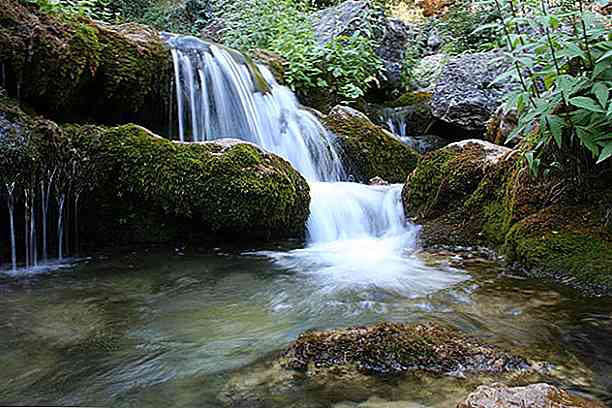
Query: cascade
221	93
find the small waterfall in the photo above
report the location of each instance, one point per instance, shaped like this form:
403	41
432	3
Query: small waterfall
221	93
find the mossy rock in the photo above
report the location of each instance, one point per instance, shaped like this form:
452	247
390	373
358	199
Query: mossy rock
569	244
71	68
138	187
155	189
411	98
390	349
463	195
446	177
368	150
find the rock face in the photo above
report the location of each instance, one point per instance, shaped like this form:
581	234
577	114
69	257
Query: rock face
138	187
465	95
392	35
393	349
74	69
368	150
533	396
477	193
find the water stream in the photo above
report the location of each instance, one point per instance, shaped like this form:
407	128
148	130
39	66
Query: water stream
148	327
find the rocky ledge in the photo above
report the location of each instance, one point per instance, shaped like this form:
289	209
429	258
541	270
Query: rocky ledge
478	193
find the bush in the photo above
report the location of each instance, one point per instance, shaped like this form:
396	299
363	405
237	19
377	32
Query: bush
563	61
347	65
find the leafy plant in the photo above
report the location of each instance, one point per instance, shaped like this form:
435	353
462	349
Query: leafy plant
347	65
562	58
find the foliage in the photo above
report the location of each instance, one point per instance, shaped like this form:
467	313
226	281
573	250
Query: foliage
563	60
457	26
96	9
347	65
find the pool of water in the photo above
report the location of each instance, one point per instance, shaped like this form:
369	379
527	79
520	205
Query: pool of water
152	328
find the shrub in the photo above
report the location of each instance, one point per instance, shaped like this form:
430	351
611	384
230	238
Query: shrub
563	60
347	65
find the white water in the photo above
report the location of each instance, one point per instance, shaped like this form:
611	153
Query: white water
357	234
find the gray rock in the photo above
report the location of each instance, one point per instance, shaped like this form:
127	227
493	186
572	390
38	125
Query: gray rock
426	143
465	95
533	396
352	16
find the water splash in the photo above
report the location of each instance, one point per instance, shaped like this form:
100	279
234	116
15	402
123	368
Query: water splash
357	234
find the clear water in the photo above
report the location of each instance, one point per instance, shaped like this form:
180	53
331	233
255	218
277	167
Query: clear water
150	328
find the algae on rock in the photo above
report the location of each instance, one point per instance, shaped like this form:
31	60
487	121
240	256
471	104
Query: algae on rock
368	150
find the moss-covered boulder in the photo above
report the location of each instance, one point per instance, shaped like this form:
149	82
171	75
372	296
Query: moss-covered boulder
393	349
477	193
446	177
156	188
134	186
71	68
368	150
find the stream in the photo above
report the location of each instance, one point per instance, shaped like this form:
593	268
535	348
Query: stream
150	328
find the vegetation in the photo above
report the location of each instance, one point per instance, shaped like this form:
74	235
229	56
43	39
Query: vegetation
346	66
563	62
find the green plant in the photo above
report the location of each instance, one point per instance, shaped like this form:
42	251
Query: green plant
347	65
96	9
562	58
457	27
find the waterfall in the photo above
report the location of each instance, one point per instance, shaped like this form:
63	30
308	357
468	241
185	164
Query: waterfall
221	93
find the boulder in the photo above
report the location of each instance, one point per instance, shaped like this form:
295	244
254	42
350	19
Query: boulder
465	95
449	175
369	150
533	396
135	186
390	349
71	68
352	16
426	143
477	193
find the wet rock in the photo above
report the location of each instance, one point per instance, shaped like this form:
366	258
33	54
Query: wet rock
533	396
76	69
477	193
390	349
426	143
274	62
448	175
368	150
377	181
144	188
465	95
352	16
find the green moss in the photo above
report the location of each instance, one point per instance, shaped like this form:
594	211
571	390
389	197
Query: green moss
74	69
235	189
369	151
564	243
411	98
443	179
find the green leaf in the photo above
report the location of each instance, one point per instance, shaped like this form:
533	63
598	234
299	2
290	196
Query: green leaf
586	103
605	56
606	153
601	93
555	125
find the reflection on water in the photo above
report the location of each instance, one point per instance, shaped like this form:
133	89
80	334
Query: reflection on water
152	329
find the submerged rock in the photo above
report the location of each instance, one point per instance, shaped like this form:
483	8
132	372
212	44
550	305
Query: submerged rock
368	150
393	349
533	396
74	69
465	95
